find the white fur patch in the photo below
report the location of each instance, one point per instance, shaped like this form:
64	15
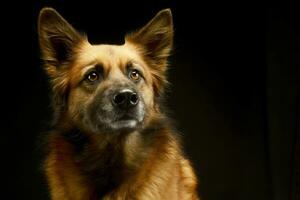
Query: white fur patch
124	124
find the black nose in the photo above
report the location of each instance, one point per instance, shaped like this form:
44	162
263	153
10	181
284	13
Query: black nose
125	99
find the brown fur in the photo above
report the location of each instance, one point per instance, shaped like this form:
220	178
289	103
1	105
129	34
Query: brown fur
89	163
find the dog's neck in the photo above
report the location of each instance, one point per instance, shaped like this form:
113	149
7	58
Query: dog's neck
107	160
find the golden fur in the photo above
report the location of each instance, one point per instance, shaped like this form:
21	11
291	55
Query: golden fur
146	163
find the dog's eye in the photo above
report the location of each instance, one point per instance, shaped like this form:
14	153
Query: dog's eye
93	76
134	75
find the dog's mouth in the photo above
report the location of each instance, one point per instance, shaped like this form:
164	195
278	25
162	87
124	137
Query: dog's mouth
128	120
118	120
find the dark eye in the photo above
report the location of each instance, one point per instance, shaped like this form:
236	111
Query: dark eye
134	75
93	76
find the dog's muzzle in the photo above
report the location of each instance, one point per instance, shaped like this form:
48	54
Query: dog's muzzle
120	109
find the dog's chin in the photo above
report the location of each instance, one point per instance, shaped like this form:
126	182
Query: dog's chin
124	125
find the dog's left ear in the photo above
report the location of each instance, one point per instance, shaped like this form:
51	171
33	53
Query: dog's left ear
155	38
57	39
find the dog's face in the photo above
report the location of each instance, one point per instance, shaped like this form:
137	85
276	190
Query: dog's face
111	88
106	88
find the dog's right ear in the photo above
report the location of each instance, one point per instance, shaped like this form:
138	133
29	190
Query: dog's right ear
57	39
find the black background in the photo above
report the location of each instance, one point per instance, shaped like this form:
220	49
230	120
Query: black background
234	92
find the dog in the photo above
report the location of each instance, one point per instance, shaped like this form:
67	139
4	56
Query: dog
110	138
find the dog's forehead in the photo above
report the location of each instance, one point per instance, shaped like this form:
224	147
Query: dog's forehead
107	55
113	58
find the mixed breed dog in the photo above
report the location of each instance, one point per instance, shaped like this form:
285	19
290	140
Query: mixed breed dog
111	139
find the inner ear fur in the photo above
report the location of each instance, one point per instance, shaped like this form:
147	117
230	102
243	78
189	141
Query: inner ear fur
57	38
156	37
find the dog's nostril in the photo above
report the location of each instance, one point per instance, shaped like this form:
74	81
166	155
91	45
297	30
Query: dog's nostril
134	99
119	99
125	99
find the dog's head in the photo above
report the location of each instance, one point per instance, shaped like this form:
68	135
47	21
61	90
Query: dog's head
106	88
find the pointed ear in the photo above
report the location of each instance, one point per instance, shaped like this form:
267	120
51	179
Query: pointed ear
155	41
155	38
57	37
